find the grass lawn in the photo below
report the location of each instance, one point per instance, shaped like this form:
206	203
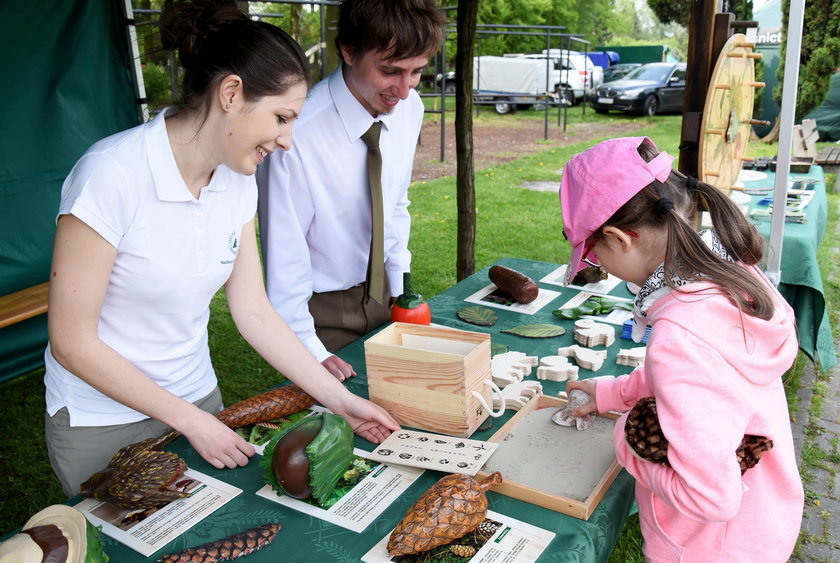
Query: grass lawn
510	222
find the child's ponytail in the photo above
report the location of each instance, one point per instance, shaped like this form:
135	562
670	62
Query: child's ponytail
689	256
738	236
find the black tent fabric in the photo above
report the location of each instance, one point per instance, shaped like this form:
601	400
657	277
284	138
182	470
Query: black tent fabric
68	67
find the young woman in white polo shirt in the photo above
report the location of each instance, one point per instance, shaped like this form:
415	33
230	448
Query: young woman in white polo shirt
152	222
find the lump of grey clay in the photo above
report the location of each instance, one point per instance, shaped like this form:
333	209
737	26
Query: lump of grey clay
563	416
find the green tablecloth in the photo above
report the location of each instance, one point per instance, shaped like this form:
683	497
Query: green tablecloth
304	538
801	282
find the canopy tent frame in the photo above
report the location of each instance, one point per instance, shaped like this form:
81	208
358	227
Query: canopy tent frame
790	87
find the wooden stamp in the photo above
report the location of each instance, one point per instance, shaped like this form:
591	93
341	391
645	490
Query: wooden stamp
589	333
556	368
511	367
517	394
633	357
585	357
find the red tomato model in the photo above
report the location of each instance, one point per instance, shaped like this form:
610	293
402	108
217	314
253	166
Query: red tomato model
410	307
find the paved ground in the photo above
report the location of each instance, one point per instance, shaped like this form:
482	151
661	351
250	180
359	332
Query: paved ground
821	519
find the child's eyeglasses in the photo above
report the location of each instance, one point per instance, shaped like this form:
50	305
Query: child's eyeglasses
587	250
590	245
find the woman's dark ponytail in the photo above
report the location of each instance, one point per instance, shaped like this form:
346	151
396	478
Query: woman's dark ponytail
185	26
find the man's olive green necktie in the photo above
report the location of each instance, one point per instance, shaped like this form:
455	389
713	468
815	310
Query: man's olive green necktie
376	263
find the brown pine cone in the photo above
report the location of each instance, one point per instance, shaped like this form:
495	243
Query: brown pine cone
750	450
644	435
448	510
227	549
275	403
488	527
139	476
462	550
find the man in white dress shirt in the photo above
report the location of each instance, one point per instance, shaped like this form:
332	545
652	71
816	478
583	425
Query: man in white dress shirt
315	202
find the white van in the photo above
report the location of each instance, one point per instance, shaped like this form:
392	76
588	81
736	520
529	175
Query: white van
575	76
578	60
511	82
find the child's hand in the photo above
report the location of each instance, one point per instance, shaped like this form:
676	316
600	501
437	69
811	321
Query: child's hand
588	386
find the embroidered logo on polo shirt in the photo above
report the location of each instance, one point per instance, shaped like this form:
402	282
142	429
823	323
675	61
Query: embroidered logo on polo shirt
233	244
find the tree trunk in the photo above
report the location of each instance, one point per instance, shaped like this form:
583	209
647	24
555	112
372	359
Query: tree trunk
330	61
295	21
467	17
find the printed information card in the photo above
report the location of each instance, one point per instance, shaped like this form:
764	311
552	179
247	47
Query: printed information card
434	451
499	539
492	296
354	506
147	531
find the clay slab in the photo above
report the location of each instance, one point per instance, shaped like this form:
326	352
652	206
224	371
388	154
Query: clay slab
560	468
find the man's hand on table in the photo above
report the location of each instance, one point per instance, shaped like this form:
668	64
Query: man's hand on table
340	369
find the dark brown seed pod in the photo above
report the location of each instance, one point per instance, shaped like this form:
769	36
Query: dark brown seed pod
227	549
290	462
516	285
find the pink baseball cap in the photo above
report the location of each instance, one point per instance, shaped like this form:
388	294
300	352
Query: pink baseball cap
597	182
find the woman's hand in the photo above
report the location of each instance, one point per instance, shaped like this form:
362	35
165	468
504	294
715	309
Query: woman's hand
588	386
272	338
216	443
368	420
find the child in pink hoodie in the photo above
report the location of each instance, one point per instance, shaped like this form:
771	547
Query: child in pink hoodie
721	339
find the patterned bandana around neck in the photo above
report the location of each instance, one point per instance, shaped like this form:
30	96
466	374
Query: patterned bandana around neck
655	286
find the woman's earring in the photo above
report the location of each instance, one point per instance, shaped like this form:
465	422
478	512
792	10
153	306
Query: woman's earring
227	106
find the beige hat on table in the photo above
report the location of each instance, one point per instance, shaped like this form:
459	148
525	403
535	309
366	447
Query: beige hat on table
55	530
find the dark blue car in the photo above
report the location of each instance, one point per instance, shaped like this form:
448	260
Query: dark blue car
650	89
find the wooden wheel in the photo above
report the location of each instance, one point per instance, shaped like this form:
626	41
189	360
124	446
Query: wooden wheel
725	130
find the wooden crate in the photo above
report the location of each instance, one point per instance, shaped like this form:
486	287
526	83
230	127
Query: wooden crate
601	478
425	376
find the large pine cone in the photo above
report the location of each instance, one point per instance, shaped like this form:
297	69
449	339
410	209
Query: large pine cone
275	403
227	549
138	476
644	435
448	510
